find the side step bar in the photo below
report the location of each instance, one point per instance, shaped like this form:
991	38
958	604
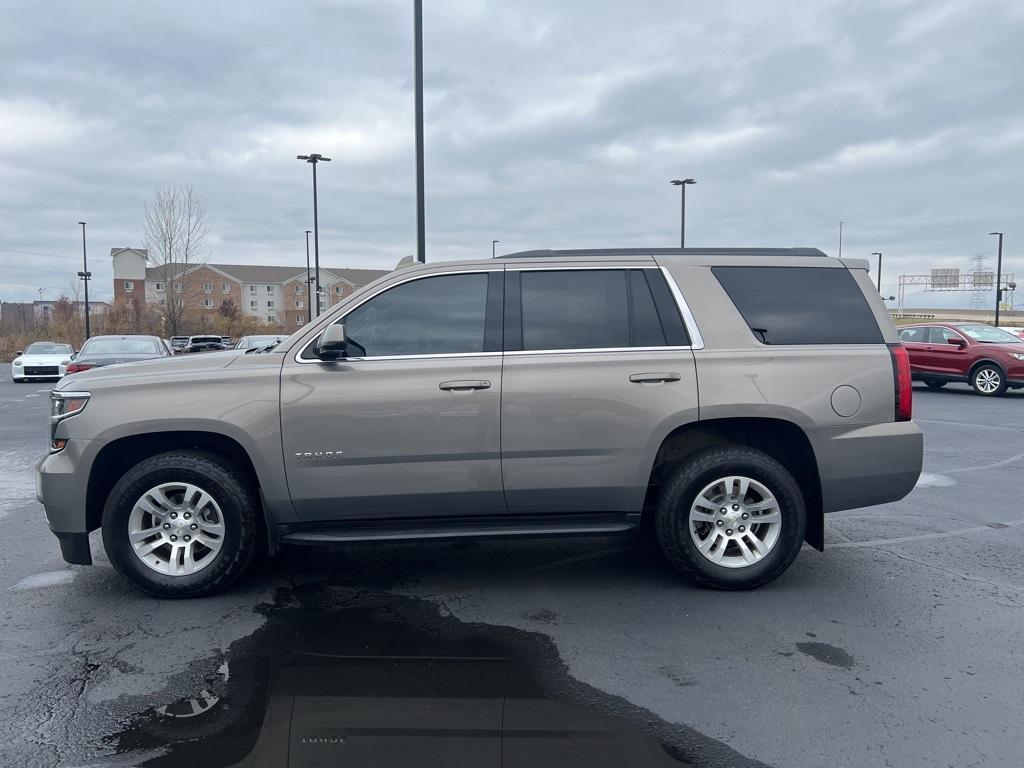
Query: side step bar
462	527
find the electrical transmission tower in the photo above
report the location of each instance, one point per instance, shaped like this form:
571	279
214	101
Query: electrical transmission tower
979	269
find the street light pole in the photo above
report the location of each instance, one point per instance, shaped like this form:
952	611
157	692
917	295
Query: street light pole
313	159
493	243
879	255
681	183
309	303
999	274
421	237
85	276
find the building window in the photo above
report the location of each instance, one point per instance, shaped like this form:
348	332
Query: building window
177	287
299	303
159	286
207	287
129	286
253	304
270	318
252	289
270	289
337	289
299	319
270	303
224	288
208	303
300	289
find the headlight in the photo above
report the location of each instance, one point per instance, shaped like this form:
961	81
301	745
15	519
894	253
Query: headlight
64	405
18	361
1017	355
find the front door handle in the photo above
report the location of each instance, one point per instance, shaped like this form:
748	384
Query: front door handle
653	378
463	385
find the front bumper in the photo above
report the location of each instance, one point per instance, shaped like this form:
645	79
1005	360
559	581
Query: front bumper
869	465
62	492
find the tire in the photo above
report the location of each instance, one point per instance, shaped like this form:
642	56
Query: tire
705	473
229	499
988	380
935	384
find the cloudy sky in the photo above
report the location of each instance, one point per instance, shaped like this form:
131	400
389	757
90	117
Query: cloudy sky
548	124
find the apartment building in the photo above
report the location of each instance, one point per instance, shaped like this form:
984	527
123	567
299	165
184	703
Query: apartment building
275	295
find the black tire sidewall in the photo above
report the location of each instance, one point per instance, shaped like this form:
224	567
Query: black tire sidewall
1002	380
692	478
214	478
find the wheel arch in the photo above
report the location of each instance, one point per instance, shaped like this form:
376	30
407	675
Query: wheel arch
115	457
983	361
780	438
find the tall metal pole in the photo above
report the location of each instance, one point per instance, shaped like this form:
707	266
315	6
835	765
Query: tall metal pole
493	243
309	302
840	239
879	255
316	243
681	183
421	238
999	274
85	274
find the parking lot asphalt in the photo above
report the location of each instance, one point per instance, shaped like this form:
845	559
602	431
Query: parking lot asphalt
900	645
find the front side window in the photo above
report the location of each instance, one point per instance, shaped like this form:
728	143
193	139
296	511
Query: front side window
441	315
939	335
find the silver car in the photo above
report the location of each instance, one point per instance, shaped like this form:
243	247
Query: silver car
731	397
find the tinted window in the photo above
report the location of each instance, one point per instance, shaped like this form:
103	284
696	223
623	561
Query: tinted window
800	305
574	309
913	335
434	316
647	330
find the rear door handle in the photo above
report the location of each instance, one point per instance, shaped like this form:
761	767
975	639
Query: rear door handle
653	378
463	385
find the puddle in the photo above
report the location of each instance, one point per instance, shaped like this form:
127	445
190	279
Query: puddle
41	580
344	676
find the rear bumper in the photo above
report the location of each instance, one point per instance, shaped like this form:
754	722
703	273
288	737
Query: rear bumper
864	466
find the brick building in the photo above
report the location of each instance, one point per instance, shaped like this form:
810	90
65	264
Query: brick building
274	295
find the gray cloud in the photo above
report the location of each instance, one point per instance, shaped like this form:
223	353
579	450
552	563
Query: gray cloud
548	124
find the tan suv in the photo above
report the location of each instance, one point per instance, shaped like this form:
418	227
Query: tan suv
730	396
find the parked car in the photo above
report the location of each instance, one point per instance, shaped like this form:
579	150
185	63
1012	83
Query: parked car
258	342
41	360
545	393
204	344
1018	332
989	359
228	342
100	351
177	344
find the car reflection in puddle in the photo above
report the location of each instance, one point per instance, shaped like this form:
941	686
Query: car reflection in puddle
380	694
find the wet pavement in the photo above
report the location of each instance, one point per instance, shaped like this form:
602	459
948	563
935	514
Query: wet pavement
900	645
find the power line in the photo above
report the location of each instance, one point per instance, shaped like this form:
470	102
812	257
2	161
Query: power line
38	253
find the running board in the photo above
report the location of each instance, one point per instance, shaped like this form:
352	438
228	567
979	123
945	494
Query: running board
464	527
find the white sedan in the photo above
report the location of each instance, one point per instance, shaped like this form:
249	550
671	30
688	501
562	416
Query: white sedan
41	360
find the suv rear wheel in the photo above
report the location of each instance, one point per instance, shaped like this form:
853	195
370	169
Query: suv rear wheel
181	524
731	518
988	380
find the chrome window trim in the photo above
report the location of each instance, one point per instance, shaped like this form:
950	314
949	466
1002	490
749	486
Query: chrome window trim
696	340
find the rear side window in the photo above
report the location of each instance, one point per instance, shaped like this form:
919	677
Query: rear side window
800	305
914	335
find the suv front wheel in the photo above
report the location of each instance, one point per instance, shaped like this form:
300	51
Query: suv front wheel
181	524
731	518
988	380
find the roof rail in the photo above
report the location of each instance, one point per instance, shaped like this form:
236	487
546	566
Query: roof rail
588	252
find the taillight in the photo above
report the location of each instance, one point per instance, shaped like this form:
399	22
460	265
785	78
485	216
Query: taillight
901	381
77	367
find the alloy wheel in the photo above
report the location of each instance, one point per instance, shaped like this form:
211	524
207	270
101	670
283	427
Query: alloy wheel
988	380
735	521
176	529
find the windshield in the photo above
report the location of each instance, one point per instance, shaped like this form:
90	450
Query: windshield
140	345
253	342
986	334
48	348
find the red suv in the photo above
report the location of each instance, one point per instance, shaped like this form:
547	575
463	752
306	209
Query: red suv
988	359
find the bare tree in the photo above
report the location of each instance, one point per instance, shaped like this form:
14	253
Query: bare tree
175	230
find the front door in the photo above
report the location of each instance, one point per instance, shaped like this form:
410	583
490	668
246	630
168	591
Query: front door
943	357
407	424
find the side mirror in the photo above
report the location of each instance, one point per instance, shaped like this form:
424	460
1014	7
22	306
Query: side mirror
18	353
74	355
957	343
334	343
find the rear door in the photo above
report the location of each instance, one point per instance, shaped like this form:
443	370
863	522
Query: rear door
407	425
596	359
915	339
